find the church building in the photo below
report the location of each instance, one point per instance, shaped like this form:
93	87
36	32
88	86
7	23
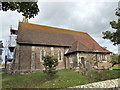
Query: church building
71	48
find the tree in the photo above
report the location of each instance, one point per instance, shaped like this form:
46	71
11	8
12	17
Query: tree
28	9
1	46
115	59
114	36
50	64
0	59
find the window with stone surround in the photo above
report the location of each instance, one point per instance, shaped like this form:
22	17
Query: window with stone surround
83	61
103	57
42	54
33	55
59	55
52	51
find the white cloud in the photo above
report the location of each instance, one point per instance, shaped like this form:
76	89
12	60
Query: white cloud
85	16
78	0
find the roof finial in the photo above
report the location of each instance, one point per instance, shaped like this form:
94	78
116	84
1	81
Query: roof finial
25	19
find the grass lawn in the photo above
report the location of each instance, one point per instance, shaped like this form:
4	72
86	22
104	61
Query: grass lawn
105	75
63	79
116	68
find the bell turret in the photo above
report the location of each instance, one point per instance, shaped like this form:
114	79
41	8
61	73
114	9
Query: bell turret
25	19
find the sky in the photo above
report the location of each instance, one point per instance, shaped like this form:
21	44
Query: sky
92	17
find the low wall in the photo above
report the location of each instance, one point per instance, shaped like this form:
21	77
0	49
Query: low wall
103	84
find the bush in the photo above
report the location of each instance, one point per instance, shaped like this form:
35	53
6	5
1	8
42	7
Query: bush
115	59
50	64
105	75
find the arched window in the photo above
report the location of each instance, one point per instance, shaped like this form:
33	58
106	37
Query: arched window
33	55
59	55
83	61
52	51
42	54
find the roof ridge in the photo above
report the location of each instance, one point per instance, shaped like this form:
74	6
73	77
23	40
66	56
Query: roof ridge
40	34
53	27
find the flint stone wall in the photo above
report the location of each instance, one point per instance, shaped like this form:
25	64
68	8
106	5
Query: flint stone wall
103	84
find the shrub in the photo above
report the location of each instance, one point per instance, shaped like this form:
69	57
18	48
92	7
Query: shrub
105	75
50	64
115	59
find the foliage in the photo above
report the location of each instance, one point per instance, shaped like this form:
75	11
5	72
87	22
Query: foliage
105	75
0	59
50	64
114	36
115	59
28	9
1	46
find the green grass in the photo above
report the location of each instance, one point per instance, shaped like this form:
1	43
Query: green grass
63	79
115	67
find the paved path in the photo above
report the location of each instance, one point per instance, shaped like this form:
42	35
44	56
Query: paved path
115	83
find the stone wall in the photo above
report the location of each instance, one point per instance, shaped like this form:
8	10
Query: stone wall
103	84
22	59
72	61
28	58
93	60
25	58
51	51
15	62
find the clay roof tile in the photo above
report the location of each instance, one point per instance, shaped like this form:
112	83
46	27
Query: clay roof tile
44	35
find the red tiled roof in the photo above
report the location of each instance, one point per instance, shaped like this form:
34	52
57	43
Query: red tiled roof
45	35
77	46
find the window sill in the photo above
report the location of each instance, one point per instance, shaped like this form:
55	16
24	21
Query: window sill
60	60
104	61
41	61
